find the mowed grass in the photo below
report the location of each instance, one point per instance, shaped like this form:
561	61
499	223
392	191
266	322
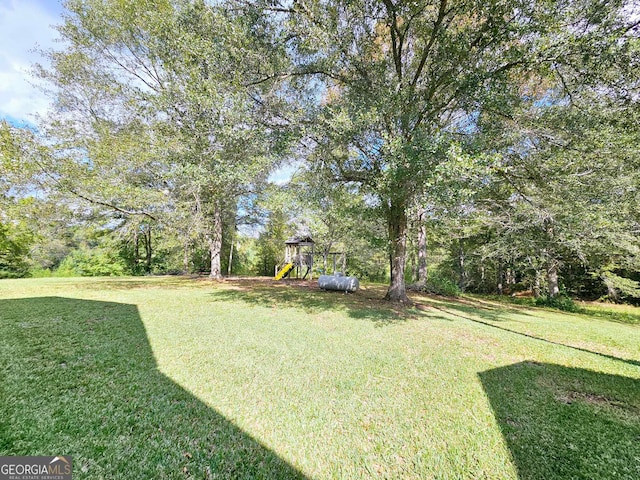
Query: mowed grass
177	378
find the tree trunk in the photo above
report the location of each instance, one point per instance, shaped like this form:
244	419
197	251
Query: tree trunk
325	254
148	249
422	250
511	276
231	255
612	293
185	258
462	280
397	222
136	250
499	287
552	279
412	260
214	240
551	262
536	285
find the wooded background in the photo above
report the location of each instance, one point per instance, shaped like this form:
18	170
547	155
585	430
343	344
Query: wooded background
489	147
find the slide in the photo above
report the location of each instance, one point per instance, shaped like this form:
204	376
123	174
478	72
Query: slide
285	271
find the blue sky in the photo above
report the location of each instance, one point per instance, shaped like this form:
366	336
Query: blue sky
25	25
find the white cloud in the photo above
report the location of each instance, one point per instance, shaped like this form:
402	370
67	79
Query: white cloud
25	25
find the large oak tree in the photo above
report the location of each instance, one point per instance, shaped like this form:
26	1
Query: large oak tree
401	79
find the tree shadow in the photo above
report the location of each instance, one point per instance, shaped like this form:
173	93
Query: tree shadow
562	422
147	282
590	310
365	304
79	378
488	310
487	318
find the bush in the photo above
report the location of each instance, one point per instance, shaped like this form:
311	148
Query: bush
14	247
561	302
440	285
38	272
91	263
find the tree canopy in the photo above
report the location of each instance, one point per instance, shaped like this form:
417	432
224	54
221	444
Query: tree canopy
404	80
507	128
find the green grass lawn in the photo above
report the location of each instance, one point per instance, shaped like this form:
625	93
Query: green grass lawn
175	378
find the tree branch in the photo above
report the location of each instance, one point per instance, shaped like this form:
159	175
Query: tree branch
110	205
442	13
393	27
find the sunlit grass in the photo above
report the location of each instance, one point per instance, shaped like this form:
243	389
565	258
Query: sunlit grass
179	378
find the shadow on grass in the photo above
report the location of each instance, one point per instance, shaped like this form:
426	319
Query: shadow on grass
306	296
561	422
147	282
488	310
598	310
487	318
79	378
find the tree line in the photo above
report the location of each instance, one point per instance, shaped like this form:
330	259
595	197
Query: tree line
487	146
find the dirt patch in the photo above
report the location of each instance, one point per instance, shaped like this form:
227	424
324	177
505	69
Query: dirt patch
571	396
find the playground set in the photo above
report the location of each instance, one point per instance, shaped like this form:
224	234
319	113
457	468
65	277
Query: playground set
298	257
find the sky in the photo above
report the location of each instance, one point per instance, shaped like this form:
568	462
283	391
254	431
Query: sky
25	25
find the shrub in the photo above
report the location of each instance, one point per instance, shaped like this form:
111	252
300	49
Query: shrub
91	263
561	302
440	285
14	247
